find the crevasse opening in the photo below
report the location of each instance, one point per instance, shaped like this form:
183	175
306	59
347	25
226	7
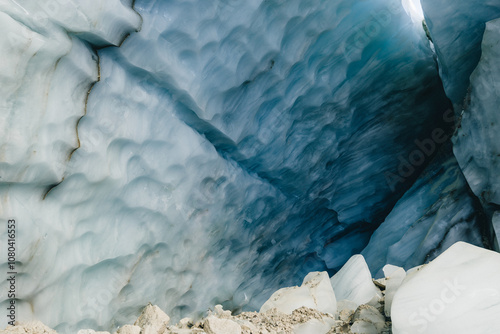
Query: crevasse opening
414	10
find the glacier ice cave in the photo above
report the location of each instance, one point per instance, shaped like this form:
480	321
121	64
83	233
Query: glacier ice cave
188	153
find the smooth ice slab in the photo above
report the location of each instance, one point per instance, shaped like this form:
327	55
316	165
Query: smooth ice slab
394	277
458	292
354	282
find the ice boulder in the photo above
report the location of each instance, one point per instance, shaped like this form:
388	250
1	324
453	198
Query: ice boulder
314	326
458	292
152	320
354	282
394	277
214	325
129	329
363	327
370	315
315	292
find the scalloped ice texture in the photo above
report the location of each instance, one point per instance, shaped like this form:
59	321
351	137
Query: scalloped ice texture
457	39
299	92
46	74
477	141
179	215
32	112
230	148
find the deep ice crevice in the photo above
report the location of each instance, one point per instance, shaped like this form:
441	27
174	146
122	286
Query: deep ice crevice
457	40
476	142
414	10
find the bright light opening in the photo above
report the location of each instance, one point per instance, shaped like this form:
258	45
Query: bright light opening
414	10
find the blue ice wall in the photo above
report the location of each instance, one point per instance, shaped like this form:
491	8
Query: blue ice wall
439	210
457	29
476	142
297	121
